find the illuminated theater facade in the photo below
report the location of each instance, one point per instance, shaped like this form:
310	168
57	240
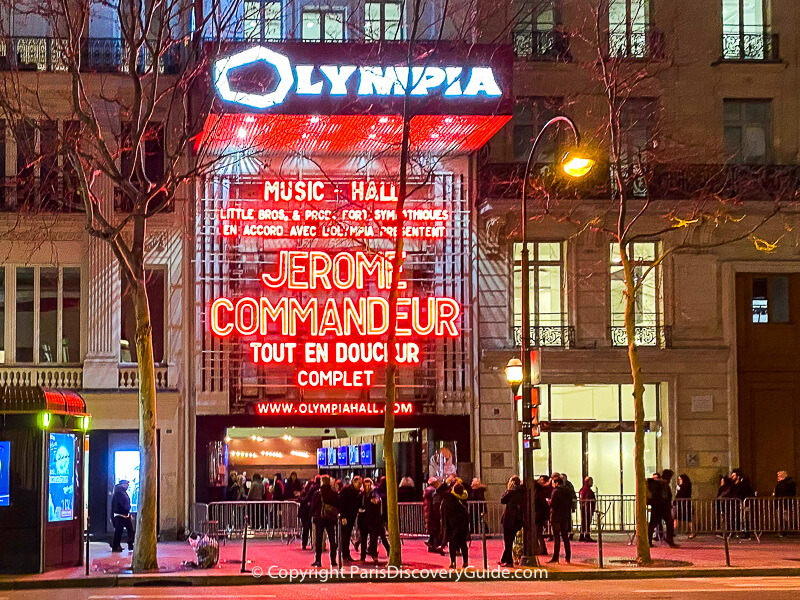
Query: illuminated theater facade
296	236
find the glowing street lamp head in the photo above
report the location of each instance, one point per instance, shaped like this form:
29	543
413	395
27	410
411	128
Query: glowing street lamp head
576	164
514	372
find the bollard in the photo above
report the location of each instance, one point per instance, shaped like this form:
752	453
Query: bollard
599	539
86	559
244	546
483	541
725	537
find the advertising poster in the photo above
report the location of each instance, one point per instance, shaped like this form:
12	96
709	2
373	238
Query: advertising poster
126	466
61	488
5	462
354	455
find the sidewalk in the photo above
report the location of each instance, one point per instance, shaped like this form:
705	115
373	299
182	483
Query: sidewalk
269	561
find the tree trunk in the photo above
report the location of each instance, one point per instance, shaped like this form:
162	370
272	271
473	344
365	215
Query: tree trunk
642	535
144	551
395	556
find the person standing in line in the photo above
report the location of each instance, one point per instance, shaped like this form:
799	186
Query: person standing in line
785	488
513	518
477	494
456	519
433	516
233	491
571	489
369	521
304	512
121	515
660	495
382	492
293	488
406	491
349	504
588	503
257	489
741	489
325	512
543	489
560	515
277	489
684	512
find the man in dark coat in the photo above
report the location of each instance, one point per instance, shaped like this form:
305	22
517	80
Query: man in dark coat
659	495
588	503
433	516
785	488
542	491
513	518
383	493
369	521
325	512
456	520
304	511
741	489
121	515
349	503
560	516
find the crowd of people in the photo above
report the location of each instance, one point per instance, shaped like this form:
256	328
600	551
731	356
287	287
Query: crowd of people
360	506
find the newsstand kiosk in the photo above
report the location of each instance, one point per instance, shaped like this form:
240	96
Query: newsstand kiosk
42	453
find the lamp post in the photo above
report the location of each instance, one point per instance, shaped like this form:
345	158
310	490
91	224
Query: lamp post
575	165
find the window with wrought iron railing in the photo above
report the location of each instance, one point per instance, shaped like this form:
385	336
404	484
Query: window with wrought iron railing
746	33
540	34
549	323
649	329
630	34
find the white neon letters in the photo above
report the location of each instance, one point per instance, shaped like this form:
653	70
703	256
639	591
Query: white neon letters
340	80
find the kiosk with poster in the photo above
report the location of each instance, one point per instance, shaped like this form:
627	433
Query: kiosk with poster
42	457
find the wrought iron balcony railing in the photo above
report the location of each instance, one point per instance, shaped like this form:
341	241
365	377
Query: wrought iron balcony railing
36	53
751	44
541	45
640	43
742	182
659	336
558	336
40	194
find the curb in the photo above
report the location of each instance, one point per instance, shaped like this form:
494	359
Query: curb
113	581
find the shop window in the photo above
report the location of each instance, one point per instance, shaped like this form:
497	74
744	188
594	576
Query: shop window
47	315
771	299
383	21
649	328
628	22
546	294
747	135
155	283
262	20
323	25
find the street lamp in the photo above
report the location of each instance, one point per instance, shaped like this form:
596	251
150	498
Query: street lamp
576	165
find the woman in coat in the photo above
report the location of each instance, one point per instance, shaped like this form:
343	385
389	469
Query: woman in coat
684	513
456	521
513	518
588	503
370	523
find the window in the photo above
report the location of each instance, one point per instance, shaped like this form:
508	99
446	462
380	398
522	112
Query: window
383	21
546	294
153	161
747	135
155	282
572	442
262	20
649	328
47	315
745	35
628	22
323	25
530	115
637	129
540	33
771	299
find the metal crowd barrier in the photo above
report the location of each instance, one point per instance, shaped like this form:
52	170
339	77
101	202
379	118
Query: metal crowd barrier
265	518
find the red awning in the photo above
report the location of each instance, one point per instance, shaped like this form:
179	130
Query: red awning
40	399
346	134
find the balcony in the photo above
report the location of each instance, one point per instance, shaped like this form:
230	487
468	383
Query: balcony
626	43
736	183
550	336
542	45
750	44
98	55
129	377
63	377
56	193
658	336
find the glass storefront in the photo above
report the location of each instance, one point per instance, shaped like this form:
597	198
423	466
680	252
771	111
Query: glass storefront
587	430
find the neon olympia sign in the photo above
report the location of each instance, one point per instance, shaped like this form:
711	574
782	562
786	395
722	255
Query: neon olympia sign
340	80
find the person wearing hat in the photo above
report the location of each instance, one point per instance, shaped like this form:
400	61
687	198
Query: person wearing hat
121	515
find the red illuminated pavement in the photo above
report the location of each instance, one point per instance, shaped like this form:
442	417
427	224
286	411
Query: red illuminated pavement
269	557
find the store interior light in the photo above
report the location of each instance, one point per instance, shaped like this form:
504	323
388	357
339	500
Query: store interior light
287	437
45	419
